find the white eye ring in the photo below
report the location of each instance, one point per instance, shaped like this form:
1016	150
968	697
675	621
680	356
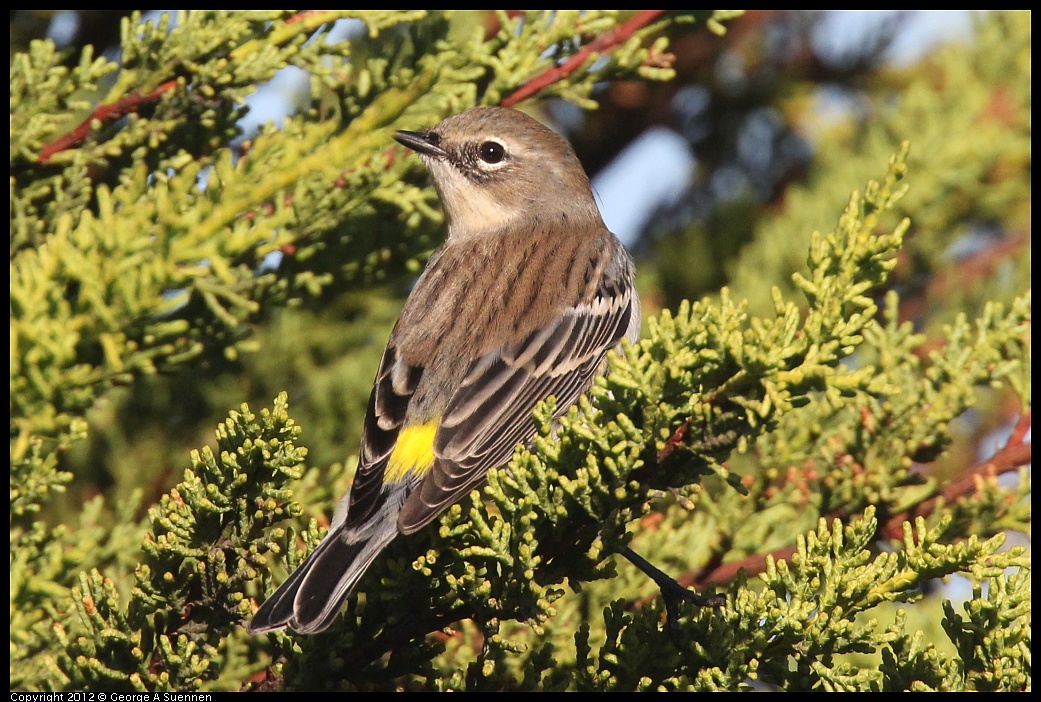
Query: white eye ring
491	152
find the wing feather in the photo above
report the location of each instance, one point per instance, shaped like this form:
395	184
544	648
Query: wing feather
491	411
395	383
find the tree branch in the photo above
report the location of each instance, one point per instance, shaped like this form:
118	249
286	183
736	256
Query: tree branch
604	42
112	111
1009	458
103	113
1015	453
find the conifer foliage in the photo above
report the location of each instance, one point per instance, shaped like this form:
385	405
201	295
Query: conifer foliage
802	443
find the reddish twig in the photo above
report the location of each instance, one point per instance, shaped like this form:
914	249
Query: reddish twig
1019	431
124	106
726	572
674	441
1010	457
960	275
303	15
604	42
103	113
980	265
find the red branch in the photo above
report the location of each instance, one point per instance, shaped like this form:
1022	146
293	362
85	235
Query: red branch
604	42
303	15
110	112
131	103
674	441
751	564
1009	458
1019	431
121	108
966	272
977	267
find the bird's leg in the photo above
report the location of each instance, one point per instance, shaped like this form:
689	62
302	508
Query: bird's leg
672	592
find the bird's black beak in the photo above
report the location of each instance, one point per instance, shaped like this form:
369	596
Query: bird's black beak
424	143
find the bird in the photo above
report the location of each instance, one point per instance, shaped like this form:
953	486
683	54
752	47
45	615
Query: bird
524	299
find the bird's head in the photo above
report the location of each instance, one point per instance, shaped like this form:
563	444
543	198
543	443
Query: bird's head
494	166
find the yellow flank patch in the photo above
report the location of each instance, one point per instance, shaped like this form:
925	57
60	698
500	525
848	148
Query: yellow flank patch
413	453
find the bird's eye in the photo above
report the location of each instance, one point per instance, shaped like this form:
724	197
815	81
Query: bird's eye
492	152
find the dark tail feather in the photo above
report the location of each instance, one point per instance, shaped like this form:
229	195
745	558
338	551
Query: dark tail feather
309	600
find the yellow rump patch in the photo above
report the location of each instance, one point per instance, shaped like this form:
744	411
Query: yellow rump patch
413	453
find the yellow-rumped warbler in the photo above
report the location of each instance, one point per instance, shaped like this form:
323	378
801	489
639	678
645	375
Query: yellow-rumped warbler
523	301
